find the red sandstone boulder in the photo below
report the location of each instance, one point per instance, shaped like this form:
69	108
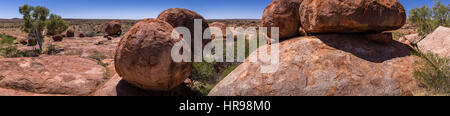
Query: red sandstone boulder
283	14
349	16
143	57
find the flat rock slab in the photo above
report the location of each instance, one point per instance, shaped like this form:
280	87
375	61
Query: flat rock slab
68	75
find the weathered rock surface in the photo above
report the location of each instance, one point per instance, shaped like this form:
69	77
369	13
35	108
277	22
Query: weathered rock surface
143	57
113	28
437	42
283	14
332	65
179	17
349	16
68	75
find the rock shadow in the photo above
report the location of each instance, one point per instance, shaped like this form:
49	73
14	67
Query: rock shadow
363	48
124	88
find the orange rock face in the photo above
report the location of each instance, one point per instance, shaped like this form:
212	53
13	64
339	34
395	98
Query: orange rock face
68	75
283	14
143	57
346	16
332	65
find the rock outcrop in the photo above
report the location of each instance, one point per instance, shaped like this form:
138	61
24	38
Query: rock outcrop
437	42
283	14
113	28
63	75
143	57
350	16
327	65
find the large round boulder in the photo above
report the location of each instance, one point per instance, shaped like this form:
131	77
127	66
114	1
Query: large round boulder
283	14
113	28
143	57
179	17
326	65
350	16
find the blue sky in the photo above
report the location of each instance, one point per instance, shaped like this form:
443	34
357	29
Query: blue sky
139	9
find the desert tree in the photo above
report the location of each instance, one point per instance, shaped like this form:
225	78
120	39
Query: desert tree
427	19
56	25
34	22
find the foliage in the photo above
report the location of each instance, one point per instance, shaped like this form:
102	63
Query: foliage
434	72
428	19
51	49
5	39
56	25
34	21
10	52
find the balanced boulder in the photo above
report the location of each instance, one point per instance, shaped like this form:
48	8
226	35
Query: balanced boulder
350	16
283	14
143	57
179	17
113	28
326	65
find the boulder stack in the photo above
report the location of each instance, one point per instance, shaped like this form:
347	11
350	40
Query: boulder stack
143	57
304	17
343	58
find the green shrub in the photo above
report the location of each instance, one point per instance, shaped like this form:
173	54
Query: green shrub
6	39
51	49
10	52
434	73
397	35
56	25
428	19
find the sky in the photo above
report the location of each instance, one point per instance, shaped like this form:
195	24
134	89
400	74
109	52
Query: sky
140	9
